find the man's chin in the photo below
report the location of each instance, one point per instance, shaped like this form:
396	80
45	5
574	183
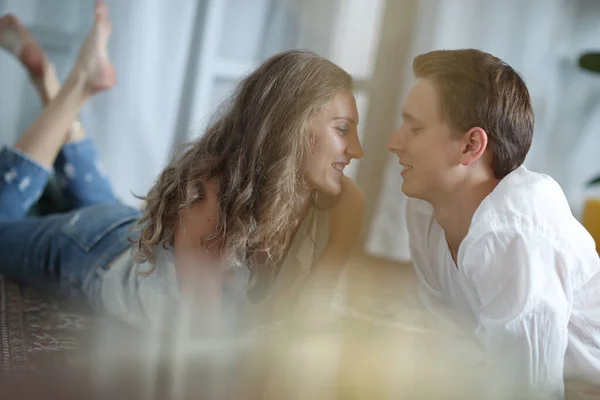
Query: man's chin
410	192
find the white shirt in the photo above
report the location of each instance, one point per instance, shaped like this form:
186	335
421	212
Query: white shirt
526	285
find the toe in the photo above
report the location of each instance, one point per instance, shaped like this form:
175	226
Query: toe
32	58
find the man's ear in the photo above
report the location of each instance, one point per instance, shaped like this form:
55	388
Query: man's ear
474	144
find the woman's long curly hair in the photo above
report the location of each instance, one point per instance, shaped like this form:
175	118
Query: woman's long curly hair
257	148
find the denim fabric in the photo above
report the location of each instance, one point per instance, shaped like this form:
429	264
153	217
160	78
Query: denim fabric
82	176
22	181
64	253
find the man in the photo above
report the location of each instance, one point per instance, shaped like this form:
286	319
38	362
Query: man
493	243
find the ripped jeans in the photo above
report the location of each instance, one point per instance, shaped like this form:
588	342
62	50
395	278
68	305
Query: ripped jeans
67	253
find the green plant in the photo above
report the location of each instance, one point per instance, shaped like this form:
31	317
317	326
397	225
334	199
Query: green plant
591	62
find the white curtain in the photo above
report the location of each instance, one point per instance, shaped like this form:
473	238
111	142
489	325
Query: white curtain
542	40
134	123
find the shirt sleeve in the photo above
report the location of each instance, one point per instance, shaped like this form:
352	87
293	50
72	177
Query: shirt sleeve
416	224
522	305
428	292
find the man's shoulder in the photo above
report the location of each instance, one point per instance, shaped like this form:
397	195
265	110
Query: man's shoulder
532	208
525	200
523	187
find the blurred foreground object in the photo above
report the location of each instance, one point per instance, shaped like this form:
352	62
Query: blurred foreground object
591	219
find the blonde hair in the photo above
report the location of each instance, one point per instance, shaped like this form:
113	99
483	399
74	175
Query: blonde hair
257	148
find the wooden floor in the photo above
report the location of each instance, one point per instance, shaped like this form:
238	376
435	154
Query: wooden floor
385	288
382	348
373	273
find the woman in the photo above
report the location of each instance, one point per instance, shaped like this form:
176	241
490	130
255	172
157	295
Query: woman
238	215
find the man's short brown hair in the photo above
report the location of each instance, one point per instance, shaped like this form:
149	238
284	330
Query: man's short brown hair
479	90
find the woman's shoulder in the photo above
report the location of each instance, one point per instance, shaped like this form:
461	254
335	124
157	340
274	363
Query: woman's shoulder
345	215
351	199
212	186
351	196
352	192
200	219
208	204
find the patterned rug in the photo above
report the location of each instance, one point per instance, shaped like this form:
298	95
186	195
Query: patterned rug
37	332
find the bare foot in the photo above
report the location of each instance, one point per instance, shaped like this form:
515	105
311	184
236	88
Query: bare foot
17	40
93	63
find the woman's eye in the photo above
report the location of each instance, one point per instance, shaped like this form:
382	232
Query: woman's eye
342	130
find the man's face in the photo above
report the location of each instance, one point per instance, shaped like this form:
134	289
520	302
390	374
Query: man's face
427	149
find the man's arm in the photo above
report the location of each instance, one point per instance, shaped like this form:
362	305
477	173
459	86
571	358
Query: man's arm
523	309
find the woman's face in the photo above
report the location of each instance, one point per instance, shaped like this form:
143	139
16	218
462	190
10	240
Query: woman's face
335	144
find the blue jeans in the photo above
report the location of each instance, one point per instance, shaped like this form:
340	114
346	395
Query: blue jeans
65	253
